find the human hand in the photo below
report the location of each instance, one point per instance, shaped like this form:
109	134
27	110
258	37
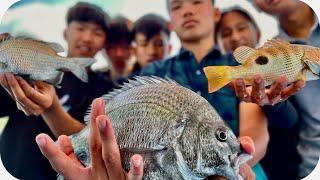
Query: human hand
31	100
104	152
279	91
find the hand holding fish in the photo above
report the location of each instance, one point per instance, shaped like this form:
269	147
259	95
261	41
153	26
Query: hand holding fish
32	101
275	59
279	91
106	162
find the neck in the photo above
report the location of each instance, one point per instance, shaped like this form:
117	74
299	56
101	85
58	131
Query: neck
199	48
296	25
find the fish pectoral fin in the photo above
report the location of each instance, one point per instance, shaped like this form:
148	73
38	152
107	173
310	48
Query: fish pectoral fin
2	65
313	66
218	77
242	53
308	75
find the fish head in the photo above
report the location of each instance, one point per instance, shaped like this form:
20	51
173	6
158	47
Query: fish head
209	147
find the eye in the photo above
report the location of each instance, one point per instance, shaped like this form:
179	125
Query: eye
221	135
262	60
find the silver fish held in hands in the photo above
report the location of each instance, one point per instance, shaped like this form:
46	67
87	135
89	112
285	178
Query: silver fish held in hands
177	132
38	60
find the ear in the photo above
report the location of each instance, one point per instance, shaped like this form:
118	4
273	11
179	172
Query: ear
258	34
65	34
170	26
216	15
169	48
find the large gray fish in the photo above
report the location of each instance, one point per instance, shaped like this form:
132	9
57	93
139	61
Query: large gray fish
178	133
38	60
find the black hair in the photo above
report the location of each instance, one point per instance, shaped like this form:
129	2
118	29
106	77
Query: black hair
242	12
119	32
87	12
167	2
150	25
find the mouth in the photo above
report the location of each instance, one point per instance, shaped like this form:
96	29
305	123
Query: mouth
84	49
189	23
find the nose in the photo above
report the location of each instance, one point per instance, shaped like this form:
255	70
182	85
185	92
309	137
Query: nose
87	36
236	36
187	10
150	49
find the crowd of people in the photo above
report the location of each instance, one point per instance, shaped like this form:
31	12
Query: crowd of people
279	125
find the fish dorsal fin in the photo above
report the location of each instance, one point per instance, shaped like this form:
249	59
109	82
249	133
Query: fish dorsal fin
275	42
135	82
242	53
55	46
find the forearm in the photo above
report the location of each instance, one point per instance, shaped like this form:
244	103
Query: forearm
260	138
253	123
59	121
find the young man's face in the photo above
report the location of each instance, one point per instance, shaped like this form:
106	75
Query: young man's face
119	54
236	30
146	51
84	39
192	20
274	7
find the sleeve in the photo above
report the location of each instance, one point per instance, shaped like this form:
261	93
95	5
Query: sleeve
283	114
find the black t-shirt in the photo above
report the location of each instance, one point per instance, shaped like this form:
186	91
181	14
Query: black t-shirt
19	151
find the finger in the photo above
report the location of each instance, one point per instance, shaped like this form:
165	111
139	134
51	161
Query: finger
58	160
246	172
5	85
95	144
247	144
258	91
241	90
39	98
275	90
110	149
65	145
20	96
292	89
136	168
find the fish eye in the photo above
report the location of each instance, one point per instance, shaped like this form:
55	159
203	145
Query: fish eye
262	60
221	135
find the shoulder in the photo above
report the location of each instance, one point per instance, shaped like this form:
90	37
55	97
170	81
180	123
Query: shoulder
158	67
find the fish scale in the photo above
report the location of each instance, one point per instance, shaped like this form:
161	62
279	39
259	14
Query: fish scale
280	58
38	60
177	132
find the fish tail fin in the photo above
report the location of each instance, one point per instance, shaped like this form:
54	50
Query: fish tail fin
218	77
79	67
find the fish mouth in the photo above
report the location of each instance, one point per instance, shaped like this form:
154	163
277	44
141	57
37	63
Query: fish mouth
238	159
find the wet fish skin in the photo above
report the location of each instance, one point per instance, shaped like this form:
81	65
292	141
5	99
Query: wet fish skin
274	59
38	60
178	133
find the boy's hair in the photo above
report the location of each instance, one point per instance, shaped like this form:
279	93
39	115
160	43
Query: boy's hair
242	12
87	12
150	25
119	32
167	2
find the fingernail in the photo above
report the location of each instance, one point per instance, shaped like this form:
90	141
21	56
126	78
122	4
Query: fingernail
137	162
41	141
101	124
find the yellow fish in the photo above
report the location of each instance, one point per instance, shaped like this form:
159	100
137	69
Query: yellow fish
274	59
